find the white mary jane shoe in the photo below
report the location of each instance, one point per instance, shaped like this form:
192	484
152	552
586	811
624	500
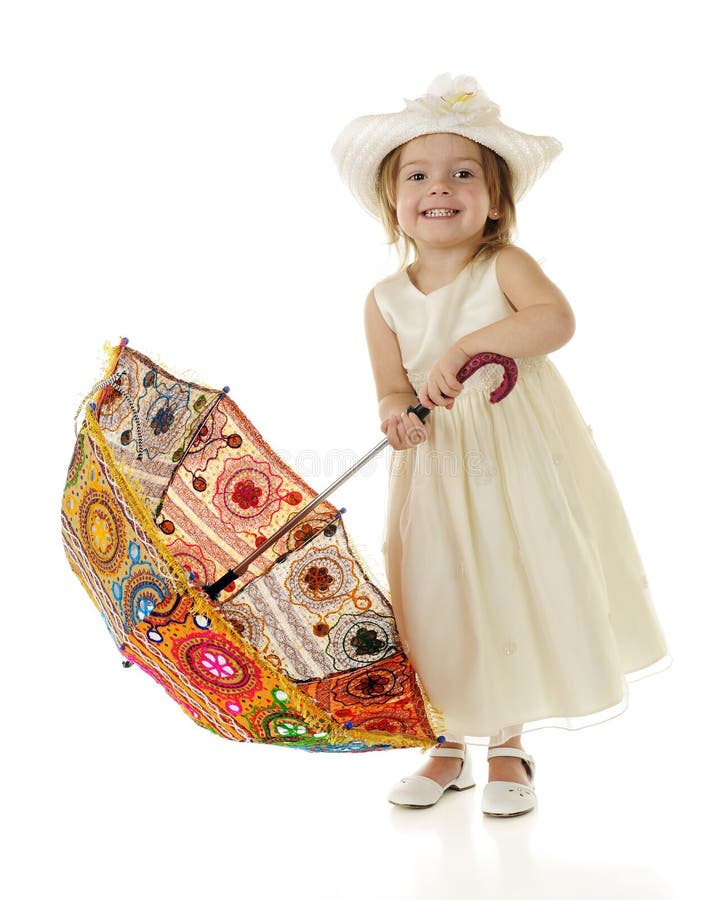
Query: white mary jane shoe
510	798
420	791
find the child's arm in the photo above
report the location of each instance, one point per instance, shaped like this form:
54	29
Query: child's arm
544	320
394	391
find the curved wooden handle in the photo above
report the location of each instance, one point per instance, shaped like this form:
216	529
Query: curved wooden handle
483	359
471	366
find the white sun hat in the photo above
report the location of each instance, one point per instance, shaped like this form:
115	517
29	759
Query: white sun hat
456	105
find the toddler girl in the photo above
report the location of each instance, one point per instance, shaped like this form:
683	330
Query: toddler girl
516	584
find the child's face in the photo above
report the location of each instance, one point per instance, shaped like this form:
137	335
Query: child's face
442	170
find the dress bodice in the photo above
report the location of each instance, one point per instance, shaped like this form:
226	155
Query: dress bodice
426	325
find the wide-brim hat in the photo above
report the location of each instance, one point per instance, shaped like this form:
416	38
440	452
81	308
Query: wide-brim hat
455	105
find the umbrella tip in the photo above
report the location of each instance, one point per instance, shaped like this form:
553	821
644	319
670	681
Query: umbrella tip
226	390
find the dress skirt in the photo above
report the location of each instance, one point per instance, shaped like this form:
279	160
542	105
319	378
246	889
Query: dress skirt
518	590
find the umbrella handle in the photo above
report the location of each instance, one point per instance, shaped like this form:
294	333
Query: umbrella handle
471	366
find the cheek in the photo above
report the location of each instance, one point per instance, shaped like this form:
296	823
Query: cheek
405	208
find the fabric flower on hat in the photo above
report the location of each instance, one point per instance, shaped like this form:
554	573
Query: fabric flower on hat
456	101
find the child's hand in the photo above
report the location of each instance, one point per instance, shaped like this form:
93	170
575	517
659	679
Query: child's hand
441	380
404	431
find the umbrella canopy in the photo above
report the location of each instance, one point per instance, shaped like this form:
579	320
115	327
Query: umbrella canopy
170	486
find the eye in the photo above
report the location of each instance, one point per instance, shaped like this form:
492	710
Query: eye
464	172
412	177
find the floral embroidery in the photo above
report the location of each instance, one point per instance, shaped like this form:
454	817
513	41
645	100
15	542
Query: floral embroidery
246	494
318	579
163	419
216	664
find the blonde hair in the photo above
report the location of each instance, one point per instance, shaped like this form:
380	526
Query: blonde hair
497	232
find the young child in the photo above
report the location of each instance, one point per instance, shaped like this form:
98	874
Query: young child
519	594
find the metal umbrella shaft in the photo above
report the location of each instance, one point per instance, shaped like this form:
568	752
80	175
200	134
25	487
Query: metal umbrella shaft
422	412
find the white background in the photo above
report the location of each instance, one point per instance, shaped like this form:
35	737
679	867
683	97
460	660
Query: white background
166	176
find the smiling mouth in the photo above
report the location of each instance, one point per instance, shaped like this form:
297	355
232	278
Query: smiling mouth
445	213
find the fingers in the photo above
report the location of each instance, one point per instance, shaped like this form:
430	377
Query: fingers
436	395
405	431
424	398
415	430
451	387
402	431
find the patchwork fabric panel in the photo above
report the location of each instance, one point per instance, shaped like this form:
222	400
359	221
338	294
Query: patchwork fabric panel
149	413
316	612
301	651
228	495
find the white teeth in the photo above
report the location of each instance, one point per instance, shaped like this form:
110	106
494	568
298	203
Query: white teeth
439	212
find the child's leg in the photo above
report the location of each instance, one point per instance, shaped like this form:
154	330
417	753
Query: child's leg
507	768
497	741
444	768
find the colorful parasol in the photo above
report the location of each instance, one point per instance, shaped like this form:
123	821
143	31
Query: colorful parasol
225	577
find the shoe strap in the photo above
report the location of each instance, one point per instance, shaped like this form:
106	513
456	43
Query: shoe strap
447	751
509	751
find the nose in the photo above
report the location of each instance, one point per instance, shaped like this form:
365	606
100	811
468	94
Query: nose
439	185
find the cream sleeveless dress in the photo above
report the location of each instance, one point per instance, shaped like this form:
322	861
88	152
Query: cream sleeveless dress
518	590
